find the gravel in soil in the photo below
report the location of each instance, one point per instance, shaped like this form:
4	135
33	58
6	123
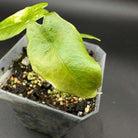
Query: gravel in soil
25	82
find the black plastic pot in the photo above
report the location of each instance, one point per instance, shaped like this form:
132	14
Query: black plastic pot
40	117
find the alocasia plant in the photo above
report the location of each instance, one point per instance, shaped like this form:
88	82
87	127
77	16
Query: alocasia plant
56	50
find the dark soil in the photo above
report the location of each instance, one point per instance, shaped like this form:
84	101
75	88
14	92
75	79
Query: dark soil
2	69
24	82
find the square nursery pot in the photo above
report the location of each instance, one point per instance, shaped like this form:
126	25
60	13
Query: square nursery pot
41	117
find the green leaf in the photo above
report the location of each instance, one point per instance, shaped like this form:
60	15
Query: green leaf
17	22
57	53
89	36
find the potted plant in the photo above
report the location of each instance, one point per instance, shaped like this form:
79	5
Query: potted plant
60	64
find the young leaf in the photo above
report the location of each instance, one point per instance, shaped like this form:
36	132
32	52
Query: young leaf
17	22
89	36
57	53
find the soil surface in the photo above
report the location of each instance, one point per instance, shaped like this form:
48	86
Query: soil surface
24	82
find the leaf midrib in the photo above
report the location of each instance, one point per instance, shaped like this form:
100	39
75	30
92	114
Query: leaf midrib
67	68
